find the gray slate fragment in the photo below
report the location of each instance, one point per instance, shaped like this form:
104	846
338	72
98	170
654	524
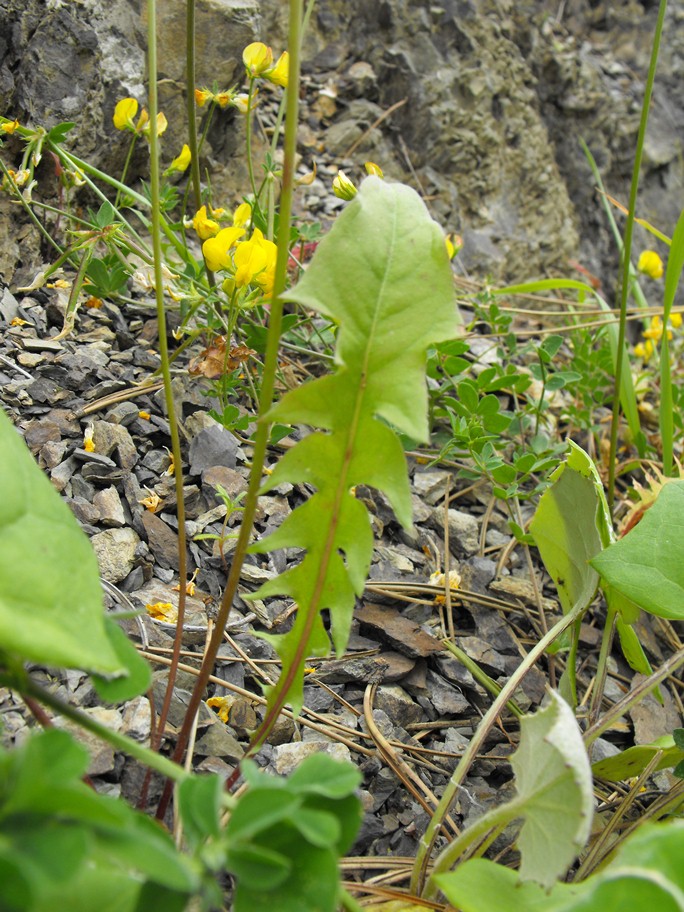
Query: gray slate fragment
110	508
115	552
212	446
287	757
162	540
444	697
109	438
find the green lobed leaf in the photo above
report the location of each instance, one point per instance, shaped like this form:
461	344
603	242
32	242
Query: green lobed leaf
647	565
51	608
383	275
554	784
570	526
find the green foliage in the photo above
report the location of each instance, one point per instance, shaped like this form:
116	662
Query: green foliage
554	798
401	299
54	829
285	836
51	607
106	277
570	526
553	780
645	873
634	760
646	565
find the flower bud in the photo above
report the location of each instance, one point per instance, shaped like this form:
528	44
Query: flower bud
343	188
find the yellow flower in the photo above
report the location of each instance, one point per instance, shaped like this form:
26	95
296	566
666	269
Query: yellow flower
278	74
255	261
151	502
88	444
144	415
650	264
162	611
181	162
124	112
223	99
204	226
372	168
171	468
222	706
655	330
644	350
257	58
162	124
202	96
17	321
9	126
343	188
453	245
242	215
190	586
216	249
676	320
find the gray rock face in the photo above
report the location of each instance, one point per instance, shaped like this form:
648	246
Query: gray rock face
494	97
498	95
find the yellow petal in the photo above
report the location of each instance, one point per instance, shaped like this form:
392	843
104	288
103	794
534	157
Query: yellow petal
257	57
242	215
279	73
650	264
204	226
124	112
216	249
181	162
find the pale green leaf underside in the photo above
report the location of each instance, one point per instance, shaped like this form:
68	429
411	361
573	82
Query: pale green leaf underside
384	276
51	608
647	565
554	784
570	527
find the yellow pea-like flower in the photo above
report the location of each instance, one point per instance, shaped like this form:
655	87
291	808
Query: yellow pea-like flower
216	249
124	112
650	264
257	58
205	226
279	73
181	161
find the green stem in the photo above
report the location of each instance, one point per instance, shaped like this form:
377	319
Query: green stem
496	818
602	664
480	676
129	156
248	140
627	253
190	89
428	839
155	186
267	389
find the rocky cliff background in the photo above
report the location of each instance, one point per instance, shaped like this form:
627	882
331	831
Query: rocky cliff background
491	100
